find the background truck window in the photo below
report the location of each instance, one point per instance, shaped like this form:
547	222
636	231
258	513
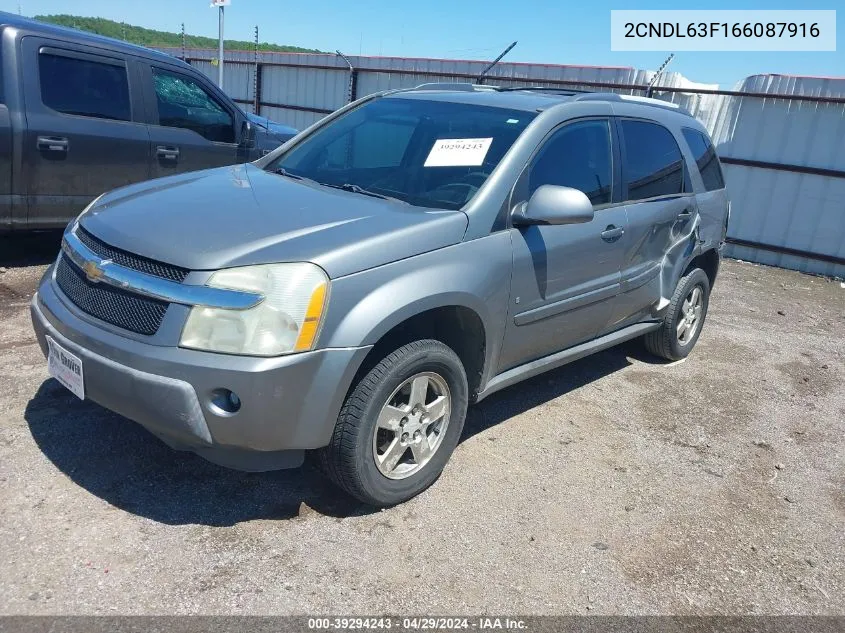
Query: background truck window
183	103
84	88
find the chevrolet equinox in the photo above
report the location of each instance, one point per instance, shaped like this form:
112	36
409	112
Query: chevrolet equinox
350	294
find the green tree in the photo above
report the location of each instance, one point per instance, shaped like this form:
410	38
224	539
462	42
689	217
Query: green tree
158	39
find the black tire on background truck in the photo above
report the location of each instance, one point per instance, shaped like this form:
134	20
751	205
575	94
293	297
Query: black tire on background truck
399	425
684	318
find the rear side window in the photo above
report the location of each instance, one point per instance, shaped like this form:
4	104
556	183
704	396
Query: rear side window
184	103
578	156
653	164
706	159
85	88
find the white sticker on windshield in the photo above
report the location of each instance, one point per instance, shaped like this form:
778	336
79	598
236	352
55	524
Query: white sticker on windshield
458	152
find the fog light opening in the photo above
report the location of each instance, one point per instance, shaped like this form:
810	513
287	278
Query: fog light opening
225	401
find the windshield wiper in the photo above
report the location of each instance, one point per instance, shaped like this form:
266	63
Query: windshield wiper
353	188
284	172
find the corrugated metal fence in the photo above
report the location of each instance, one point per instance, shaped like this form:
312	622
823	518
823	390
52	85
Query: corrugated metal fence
781	139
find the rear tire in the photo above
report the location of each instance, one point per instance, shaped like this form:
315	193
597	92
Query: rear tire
399	425
684	318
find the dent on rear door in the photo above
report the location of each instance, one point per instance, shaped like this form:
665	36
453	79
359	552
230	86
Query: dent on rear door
661	238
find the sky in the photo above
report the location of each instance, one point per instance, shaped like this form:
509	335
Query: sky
554	32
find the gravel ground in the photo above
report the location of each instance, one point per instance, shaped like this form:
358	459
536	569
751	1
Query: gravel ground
615	485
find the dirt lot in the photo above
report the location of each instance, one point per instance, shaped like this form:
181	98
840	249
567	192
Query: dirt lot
614	485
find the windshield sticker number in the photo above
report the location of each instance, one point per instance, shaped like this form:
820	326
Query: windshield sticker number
458	152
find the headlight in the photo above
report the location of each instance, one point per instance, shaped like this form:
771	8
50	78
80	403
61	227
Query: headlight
286	321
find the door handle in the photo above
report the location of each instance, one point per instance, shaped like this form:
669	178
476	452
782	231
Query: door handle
686	213
51	144
167	153
612	233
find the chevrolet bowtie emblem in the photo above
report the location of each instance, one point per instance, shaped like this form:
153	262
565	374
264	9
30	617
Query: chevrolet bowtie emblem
94	270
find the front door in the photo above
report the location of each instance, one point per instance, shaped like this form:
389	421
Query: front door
565	277
190	127
84	133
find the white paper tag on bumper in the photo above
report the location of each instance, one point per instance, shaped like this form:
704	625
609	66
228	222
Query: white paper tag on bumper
458	152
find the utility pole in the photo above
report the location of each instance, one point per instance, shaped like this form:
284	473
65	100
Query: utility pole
183	41
256	79
220	4
350	92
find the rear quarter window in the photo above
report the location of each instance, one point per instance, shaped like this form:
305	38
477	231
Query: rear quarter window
654	165
705	158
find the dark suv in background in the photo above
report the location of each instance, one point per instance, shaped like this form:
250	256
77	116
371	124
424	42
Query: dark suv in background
82	114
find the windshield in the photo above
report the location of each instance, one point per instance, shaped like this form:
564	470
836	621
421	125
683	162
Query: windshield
426	153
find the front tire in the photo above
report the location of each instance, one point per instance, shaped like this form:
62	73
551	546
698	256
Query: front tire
399	425
684	318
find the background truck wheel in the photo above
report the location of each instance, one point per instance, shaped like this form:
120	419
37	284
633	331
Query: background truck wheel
684	318
399	425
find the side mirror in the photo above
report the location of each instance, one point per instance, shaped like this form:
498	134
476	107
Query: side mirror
247	134
552	204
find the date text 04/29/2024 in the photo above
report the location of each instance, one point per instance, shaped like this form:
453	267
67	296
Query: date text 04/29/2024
417	623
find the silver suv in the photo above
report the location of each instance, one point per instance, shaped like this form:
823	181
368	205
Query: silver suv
353	292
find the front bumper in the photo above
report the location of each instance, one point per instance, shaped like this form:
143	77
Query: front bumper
288	404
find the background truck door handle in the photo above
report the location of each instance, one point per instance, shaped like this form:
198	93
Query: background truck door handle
612	233
167	153
686	213
51	144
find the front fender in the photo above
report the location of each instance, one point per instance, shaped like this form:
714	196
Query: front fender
365	306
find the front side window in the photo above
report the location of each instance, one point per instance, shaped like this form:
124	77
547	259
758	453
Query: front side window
578	156
84	88
706	159
425	152
653	164
184	103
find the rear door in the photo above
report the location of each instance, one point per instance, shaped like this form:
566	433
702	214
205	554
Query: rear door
565	278
84	135
661	211
191	127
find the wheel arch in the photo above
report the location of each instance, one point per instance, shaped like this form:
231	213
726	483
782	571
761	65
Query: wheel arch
708	261
450	319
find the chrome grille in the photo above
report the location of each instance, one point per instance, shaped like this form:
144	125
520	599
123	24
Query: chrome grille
130	260
125	310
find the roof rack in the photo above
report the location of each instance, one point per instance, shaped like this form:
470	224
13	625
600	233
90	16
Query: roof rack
445	85
614	96
575	94
552	90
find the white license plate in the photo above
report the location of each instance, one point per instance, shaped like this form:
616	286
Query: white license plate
66	368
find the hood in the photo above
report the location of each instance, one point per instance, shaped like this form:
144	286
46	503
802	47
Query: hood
241	215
